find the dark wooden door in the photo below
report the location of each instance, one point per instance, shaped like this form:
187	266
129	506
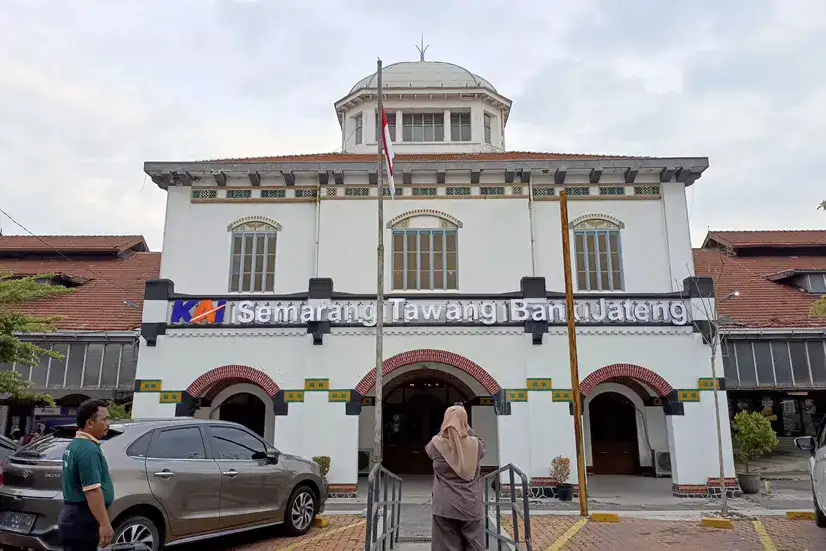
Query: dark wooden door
613	434
408	427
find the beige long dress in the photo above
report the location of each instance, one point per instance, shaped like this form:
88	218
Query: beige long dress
458	512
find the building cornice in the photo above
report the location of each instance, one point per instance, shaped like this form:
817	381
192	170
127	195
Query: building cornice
773	331
70	336
684	170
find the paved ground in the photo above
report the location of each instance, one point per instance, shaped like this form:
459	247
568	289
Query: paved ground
344	533
570	533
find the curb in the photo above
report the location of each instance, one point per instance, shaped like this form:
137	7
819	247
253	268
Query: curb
321	522
716	523
800	515
605	517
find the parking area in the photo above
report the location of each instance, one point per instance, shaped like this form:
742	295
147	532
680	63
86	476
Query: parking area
552	532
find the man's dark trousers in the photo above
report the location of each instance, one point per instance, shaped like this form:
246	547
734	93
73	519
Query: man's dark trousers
78	528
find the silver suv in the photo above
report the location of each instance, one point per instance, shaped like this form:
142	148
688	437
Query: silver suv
816	446
176	481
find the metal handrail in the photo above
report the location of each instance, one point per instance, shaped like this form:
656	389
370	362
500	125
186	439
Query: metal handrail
386	536
516	514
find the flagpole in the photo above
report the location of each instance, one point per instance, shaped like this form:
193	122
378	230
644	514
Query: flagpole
377	436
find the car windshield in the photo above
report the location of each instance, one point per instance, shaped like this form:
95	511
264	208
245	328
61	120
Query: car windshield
51	447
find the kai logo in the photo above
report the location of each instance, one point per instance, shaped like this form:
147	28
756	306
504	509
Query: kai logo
198	311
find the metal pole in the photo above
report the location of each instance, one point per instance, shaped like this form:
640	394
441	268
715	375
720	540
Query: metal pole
569	310
377	447
715	340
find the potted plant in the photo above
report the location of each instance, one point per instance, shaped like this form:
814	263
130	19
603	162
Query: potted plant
561	471
754	436
323	462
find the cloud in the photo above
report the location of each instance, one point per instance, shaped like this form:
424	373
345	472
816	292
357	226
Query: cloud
89	91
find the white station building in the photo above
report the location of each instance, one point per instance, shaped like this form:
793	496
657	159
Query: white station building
265	311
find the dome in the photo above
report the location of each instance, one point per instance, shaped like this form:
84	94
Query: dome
424	74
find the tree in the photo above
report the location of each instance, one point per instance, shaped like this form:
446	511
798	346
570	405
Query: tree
14	291
753	437
822	206
117	411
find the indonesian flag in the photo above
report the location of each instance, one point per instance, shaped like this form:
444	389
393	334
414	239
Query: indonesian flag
388	152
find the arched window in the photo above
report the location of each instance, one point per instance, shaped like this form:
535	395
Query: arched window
598	253
425	251
252	266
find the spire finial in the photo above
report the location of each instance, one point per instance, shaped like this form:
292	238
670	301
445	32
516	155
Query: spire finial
422	49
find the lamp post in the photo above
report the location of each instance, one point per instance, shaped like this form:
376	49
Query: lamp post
715	341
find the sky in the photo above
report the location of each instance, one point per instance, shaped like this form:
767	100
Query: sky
90	90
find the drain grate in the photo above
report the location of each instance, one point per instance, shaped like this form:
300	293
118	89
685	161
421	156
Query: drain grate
414	539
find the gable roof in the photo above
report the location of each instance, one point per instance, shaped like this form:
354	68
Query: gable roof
72	244
763	302
766	238
98	302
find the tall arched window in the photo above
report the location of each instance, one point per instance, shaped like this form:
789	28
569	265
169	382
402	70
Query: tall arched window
252	266
425	251
598	253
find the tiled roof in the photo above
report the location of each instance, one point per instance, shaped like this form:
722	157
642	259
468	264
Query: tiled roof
72	243
98	304
762	303
769	238
361	158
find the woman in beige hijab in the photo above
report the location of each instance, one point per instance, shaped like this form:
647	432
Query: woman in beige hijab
458	513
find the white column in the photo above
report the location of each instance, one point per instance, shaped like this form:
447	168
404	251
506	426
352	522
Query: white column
447	125
692	441
399	125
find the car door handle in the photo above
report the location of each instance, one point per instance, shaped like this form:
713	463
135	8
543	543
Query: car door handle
232	473
165	474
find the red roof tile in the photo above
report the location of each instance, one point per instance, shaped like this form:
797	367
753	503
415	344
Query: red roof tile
98	304
360	158
769	238
72	243
762	303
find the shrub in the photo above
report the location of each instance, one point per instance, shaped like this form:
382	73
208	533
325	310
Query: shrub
753	437
323	462
561	469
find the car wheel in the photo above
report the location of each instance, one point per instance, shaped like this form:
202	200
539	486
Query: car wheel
301	509
138	529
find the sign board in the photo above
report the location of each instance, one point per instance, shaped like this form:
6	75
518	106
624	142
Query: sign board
432	312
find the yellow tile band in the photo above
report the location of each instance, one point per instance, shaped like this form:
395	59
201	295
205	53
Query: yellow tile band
149	385
517	395
539	384
293	395
316	384
688	395
562	395
171	397
338	396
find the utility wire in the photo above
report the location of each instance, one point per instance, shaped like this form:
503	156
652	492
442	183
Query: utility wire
99	276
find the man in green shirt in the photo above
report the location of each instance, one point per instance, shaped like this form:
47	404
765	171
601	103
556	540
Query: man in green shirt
87	487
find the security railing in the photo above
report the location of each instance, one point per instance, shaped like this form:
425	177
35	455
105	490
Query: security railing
384	489
493	481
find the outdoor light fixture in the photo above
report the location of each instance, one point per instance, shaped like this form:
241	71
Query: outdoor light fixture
130	304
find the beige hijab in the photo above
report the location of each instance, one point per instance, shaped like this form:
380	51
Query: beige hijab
460	450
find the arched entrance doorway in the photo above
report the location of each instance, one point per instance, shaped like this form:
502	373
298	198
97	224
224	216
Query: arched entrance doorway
413	409
245	409
613	434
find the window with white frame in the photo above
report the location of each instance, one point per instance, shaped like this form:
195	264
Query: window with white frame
598	255
423	127
488	124
359	122
391	125
460	127
425	255
252	266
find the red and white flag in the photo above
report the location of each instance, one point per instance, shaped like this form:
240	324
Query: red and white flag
388	152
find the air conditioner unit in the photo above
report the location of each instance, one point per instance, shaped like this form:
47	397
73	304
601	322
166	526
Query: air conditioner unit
662	463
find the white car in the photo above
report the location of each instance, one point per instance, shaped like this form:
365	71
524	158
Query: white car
817	447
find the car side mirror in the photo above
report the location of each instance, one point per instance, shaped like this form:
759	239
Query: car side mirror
273	455
805	443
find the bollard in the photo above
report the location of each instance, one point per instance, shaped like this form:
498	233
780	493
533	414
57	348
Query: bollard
768	485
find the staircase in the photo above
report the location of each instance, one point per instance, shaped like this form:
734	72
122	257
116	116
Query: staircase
404	523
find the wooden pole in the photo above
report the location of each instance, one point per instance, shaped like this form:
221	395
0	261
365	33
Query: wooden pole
377	444
569	310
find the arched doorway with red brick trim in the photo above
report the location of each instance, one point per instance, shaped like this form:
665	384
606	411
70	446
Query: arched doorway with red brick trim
624	423
240	394
418	386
